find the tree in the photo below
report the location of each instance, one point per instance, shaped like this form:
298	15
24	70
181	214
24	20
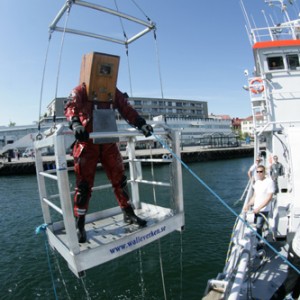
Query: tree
11	124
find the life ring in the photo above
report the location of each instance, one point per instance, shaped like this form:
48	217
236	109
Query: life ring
257	86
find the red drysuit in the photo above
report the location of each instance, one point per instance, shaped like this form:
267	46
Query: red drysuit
87	155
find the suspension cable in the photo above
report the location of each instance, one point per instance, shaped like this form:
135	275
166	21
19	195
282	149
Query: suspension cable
60	52
158	64
140	9
156	49
126	49
129	71
121	22
39	229
42	84
159	243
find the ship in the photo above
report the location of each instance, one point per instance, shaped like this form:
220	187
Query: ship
256	265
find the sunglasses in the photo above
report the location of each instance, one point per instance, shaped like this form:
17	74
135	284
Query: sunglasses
259	171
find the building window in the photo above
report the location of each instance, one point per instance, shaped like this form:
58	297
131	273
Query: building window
275	63
292	61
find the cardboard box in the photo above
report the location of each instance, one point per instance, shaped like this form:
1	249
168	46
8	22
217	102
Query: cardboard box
99	71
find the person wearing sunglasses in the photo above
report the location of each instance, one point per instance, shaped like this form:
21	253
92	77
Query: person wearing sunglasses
252	170
261	199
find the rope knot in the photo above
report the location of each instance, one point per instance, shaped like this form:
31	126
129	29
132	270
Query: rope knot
41	228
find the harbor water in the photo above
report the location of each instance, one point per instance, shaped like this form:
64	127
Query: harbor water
175	267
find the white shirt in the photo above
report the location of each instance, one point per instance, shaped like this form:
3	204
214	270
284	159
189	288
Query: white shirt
262	188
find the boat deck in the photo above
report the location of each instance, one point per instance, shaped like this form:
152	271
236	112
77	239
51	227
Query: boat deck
270	272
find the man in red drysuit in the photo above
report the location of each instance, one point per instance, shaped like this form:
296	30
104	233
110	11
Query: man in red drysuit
79	111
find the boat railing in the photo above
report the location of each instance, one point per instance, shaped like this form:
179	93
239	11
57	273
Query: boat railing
234	287
270	125
231	280
57	139
287	31
239	244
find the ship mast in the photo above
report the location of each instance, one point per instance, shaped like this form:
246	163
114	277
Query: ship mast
283	8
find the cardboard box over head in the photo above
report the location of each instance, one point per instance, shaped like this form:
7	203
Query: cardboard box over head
99	71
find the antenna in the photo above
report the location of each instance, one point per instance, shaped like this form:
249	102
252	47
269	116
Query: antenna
283	8
248	24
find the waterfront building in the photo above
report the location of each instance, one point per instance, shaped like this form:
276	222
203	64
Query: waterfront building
172	108
148	108
190	116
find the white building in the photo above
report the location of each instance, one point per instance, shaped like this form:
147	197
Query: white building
190	117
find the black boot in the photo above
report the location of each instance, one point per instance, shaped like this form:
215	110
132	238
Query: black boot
131	218
81	234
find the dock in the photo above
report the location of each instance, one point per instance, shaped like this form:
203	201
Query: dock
26	165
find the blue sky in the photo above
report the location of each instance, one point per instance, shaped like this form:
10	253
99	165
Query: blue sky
203	52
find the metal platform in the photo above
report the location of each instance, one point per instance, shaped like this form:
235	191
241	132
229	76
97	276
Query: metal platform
108	237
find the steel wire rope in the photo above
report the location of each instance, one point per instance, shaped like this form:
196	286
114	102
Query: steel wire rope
131	93
225	204
156	47
56	89
130	84
158	64
162	95
60	52
159	243
42	84
129	70
39	135
61	274
43	227
181	251
44	72
85	288
38	230
126	50
141	10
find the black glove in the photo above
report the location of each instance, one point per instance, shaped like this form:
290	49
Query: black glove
147	130
79	131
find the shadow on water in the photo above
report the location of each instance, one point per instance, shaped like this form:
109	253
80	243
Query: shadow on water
189	258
